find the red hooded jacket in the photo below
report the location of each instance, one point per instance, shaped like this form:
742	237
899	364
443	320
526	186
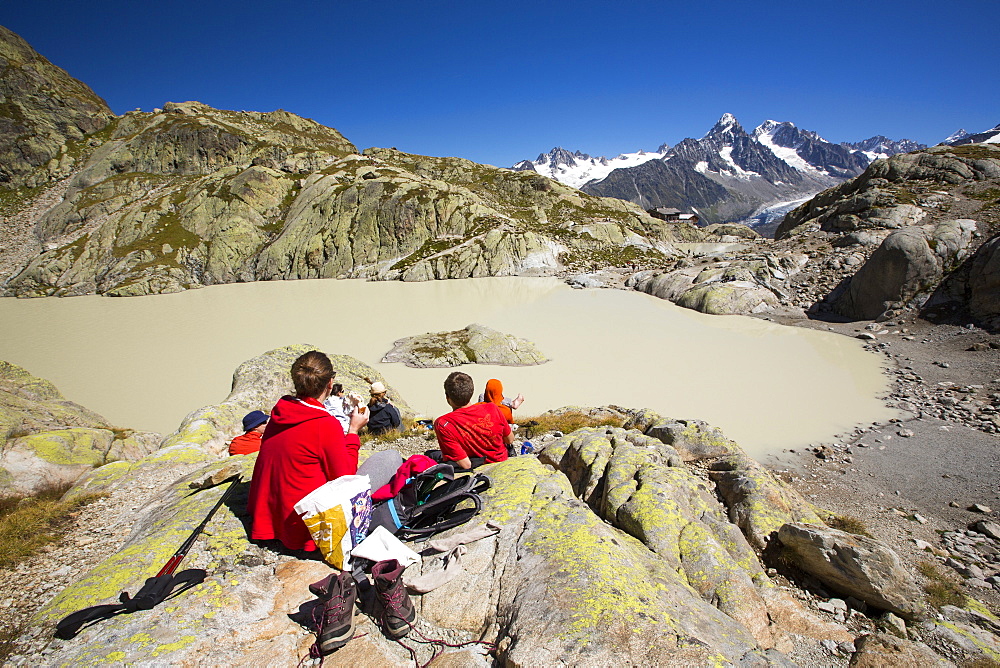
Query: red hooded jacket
303	447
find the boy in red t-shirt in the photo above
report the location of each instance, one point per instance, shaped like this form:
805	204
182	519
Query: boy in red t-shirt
471	430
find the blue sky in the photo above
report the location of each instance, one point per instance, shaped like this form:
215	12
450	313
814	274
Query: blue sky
497	82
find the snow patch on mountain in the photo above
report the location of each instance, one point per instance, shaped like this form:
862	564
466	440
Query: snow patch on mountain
575	169
765	135
726	153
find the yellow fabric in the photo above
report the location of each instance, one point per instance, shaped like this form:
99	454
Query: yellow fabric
328	528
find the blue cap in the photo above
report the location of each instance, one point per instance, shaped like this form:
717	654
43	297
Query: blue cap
254	419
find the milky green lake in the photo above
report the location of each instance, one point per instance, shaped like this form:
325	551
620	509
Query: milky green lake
145	362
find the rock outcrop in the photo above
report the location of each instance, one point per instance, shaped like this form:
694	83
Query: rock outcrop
257	385
853	565
750	284
883	197
900	237
44	116
475	344
559	583
907	266
46	440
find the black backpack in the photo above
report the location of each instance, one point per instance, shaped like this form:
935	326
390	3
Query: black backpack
428	504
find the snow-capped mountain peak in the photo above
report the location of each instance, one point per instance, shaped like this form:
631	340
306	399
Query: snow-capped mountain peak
575	169
956	136
769	126
882	147
726	125
991	136
728	174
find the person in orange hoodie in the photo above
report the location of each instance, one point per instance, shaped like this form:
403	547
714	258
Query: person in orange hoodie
249	441
494	395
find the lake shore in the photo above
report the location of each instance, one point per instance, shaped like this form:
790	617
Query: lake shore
918	478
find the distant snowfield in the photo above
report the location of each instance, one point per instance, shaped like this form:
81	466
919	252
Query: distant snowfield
726	153
594	168
789	155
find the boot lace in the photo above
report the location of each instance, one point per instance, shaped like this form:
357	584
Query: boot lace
321	616
393	607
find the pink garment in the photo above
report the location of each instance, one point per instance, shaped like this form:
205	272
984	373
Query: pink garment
406	470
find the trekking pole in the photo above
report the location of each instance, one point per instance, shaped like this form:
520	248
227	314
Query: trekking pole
175	561
155	590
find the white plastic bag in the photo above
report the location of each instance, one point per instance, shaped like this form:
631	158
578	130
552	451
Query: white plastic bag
338	515
381	545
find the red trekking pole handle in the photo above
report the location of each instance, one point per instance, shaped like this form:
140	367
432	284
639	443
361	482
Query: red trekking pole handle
179	555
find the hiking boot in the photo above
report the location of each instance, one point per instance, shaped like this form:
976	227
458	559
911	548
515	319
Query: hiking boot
321	589
336	615
397	608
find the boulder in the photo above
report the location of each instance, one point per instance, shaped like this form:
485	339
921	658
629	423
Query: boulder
257	385
909	263
987	528
475	344
758	502
853	565
664	285
693	440
984	281
738	287
60	456
47	440
881	649
731	298
29	404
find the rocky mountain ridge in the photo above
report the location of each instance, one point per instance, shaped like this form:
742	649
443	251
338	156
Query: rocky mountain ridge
727	175
187	196
44	113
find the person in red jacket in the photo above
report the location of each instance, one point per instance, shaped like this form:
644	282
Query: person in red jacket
248	442
303	447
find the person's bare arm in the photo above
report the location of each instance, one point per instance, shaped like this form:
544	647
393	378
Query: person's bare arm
509	438
518	400
463	463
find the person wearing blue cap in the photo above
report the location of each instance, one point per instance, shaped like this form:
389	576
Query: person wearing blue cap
248	442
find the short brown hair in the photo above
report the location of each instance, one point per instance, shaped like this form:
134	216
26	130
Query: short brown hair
311	373
459	388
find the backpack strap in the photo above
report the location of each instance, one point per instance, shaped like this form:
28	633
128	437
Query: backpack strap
443	516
